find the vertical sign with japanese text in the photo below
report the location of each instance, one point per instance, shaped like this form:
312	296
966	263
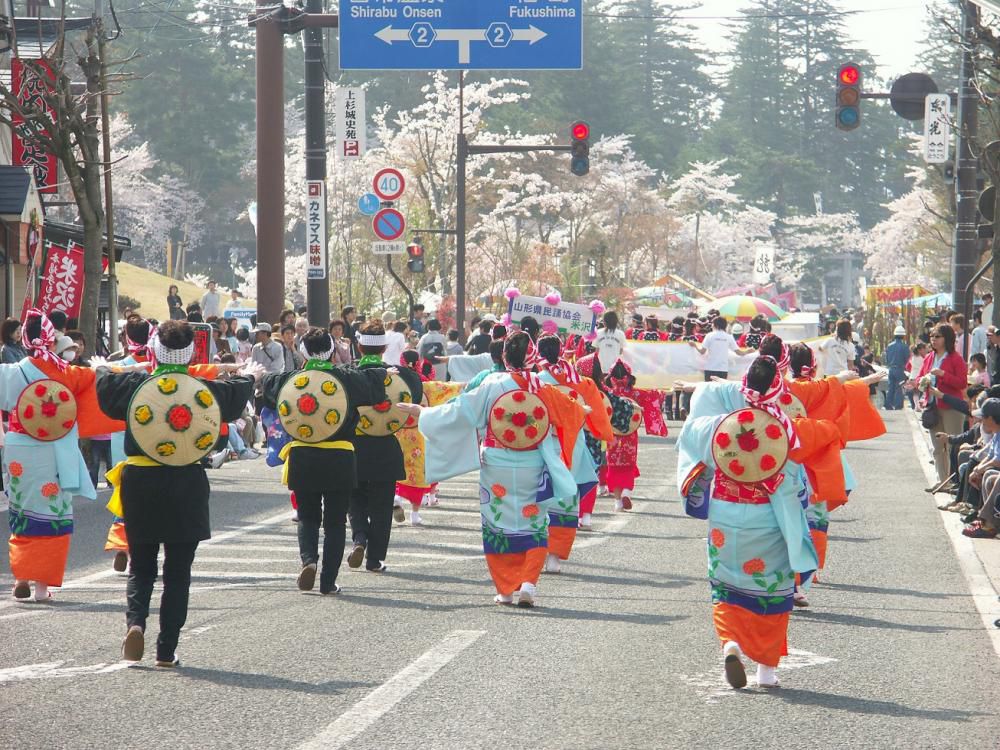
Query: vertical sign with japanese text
30	89
763	264
937	128
62	282
350	116
316	229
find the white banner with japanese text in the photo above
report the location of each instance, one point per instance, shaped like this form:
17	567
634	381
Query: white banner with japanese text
563	317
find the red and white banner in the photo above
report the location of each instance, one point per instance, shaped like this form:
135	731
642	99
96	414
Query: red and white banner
30	89
62	282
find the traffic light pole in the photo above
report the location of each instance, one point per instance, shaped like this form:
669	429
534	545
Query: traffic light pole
392	272
966	245
464	151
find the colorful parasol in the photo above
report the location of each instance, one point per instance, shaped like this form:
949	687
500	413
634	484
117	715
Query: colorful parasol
743	308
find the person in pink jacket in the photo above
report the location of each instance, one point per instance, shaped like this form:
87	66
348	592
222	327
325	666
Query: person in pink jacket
946	371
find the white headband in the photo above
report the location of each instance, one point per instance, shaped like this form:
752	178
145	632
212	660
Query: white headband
368	339
323	356
167	356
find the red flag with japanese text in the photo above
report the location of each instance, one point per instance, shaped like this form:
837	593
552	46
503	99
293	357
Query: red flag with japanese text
30	88
62	282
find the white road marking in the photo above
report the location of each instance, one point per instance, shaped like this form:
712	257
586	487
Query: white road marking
984	595
712	686
224	536
383	699
56	669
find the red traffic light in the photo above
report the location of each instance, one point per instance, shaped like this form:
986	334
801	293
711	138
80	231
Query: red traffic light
850	75
580	131
415	250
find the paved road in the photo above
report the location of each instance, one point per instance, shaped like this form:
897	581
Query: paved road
621	653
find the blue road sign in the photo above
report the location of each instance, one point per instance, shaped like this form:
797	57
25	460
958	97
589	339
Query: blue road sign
369	204
389	224
461	34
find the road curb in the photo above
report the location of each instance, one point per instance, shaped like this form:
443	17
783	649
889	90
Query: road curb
984	593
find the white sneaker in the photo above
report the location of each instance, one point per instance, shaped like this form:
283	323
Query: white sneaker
602	491
586	522
431	499
552	564
217	459
526	596
504	598
415	519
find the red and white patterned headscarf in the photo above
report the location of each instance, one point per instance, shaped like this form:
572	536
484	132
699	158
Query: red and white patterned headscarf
39	347
562	369
770	402
135	348
531	360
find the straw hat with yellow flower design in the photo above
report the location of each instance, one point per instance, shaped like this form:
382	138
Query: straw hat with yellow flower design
313	405
385	419
174	419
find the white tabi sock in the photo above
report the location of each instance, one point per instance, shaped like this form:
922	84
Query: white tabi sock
41	591
766	676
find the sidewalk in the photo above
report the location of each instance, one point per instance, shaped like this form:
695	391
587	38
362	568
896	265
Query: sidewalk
979	558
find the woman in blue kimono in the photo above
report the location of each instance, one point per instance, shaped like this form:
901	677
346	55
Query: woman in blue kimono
755	546
516	487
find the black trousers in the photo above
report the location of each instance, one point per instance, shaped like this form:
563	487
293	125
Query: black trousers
328	508
371	518
177	561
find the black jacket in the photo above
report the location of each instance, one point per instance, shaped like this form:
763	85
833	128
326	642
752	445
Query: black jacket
319	469
165	504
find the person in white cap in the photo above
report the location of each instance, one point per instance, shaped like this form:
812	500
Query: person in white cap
897	355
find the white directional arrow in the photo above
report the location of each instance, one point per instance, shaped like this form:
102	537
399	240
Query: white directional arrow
390	35
530	35
464	37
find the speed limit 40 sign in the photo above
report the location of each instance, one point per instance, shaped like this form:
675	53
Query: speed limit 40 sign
389	184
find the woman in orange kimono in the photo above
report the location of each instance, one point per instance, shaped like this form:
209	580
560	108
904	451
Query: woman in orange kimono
42	472
564	516
839	411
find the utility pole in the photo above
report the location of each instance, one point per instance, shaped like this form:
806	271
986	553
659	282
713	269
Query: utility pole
271	22
965	254
317	290
270	162
109	217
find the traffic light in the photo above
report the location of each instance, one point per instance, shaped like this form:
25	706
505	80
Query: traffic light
580	150
849	80
415	250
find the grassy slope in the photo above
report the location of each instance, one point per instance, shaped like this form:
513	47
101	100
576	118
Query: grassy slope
150	288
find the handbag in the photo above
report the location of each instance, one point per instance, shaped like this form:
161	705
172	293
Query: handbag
930	416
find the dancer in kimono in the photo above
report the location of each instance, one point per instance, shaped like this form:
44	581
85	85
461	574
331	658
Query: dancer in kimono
589	368
841	405
530	430
415	488
623	456
758	538
173	420
564	514
52	405
318	408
